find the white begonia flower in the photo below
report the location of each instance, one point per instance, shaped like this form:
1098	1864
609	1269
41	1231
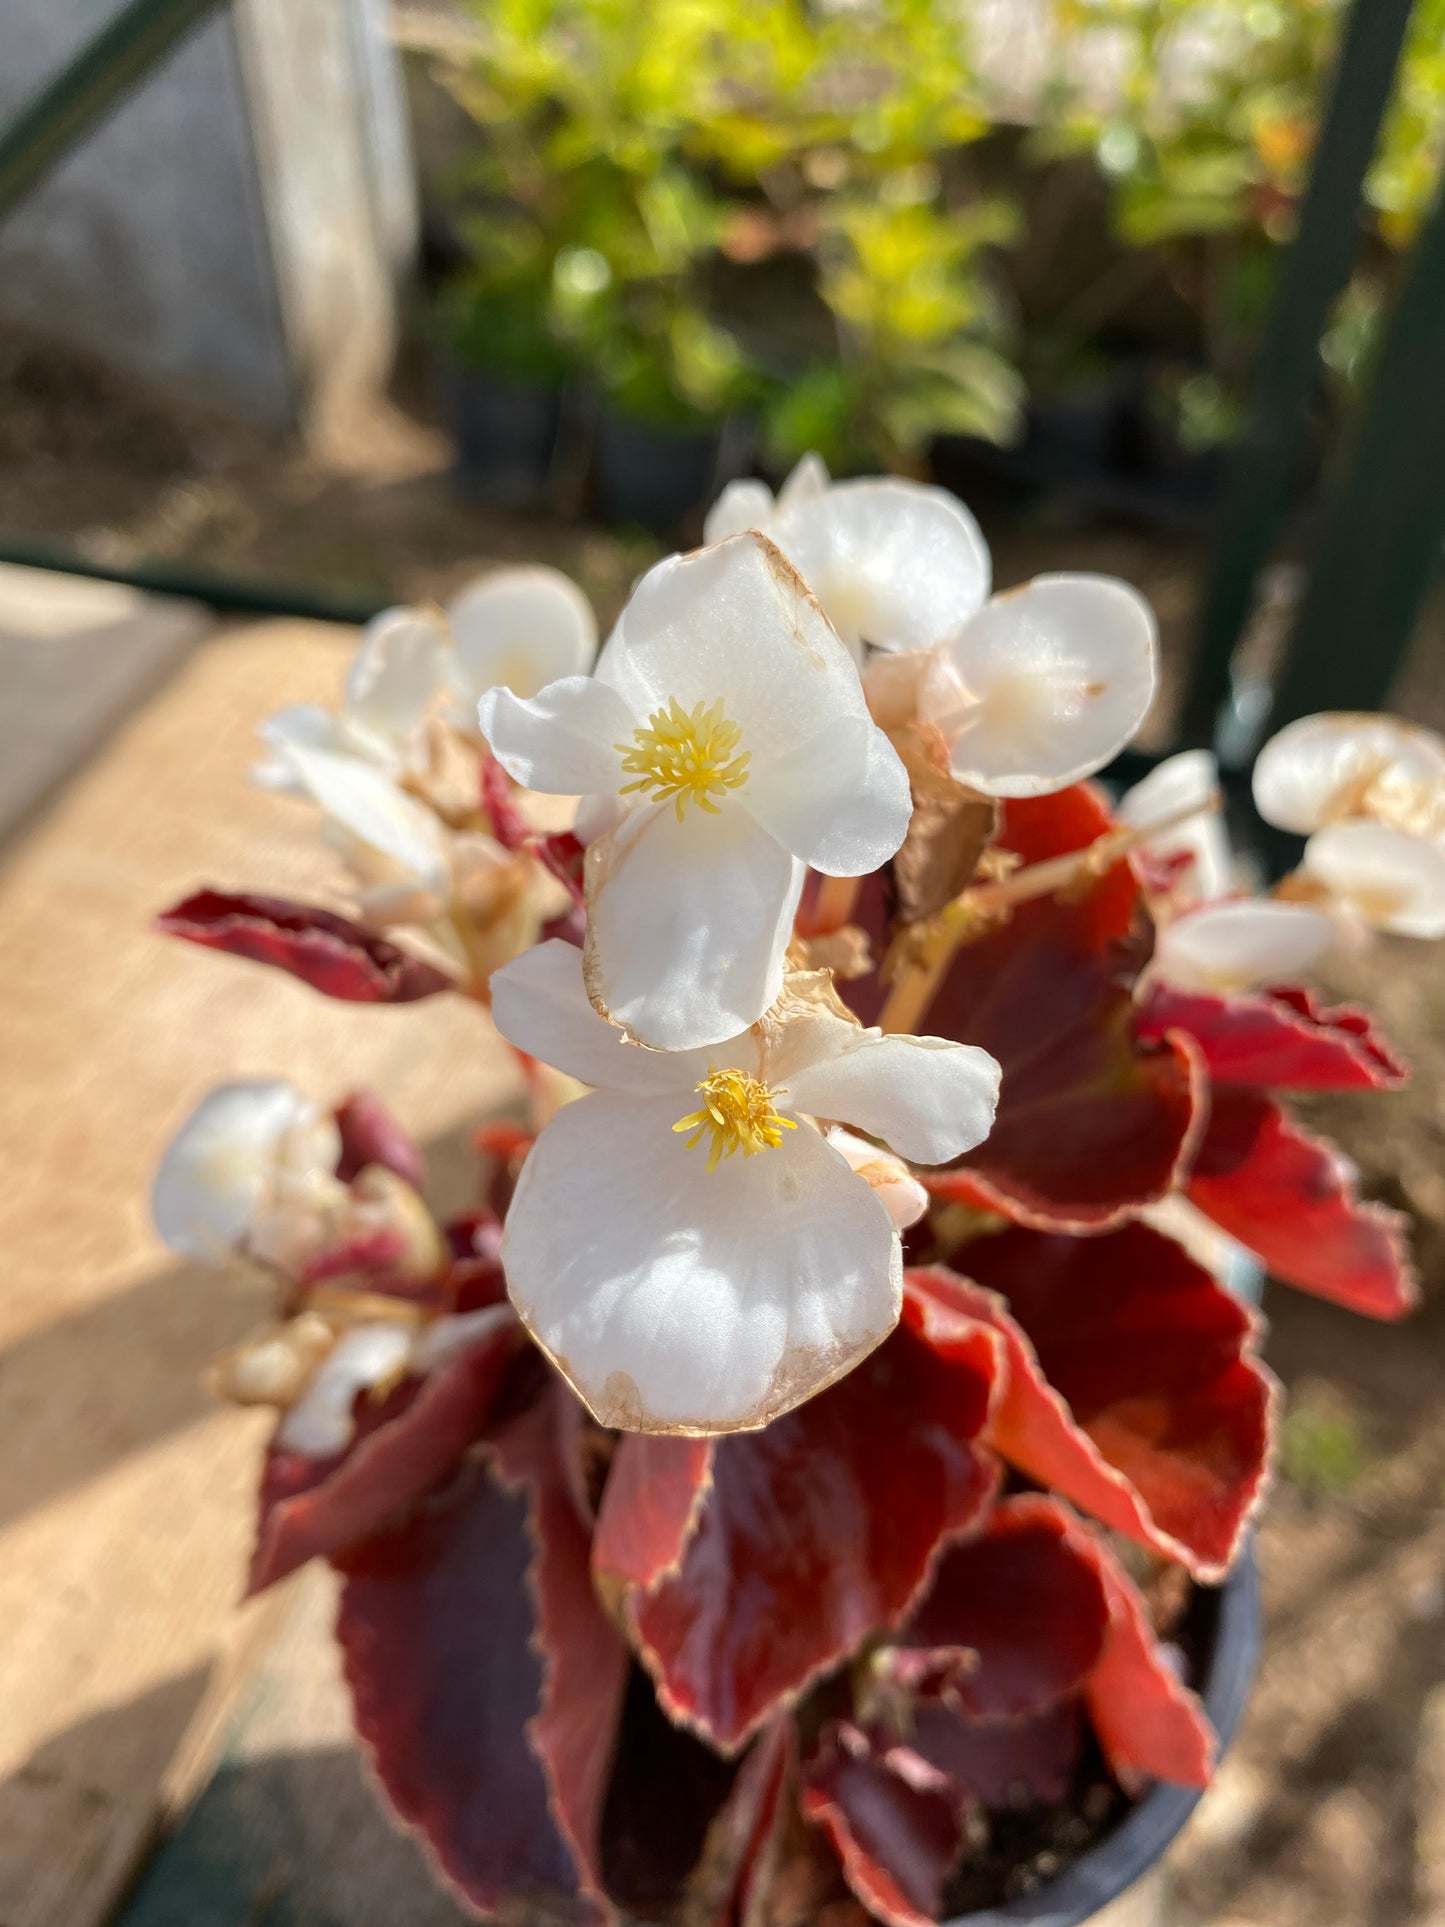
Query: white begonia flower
1338	766
1044	685
518	628
684	1243
894	1185
1239	943
252	1171
894	563
726	735
1189	780
1386	877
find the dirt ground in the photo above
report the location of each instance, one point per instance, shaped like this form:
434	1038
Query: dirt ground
1330	1810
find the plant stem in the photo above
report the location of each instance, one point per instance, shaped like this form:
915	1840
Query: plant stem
833	905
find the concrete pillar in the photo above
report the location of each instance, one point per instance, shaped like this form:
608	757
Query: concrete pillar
239	226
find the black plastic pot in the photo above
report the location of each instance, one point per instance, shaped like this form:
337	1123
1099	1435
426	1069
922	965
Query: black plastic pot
652	477
506	431
1105	1872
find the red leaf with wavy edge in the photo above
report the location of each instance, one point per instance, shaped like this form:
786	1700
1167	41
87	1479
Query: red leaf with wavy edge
1131	1388
1147	1721
464	1636
818	1530
1281	1039
339	958
405	1446
892	1819
371	1135
651	1504
1026	1602
750	1827
499	805
587	1660
1050	1613
1291	1198
1091	1124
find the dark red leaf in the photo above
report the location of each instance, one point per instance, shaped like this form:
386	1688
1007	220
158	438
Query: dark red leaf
1131	1388
499	805
748	1835
334	955
892	1819
371	1135
1002	1763
486	1680
653	1499
563	854
1280	1039
1027	1601
1292	1200
406	1445
818	1530
1091	1124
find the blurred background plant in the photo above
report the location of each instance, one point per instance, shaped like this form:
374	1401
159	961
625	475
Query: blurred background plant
839	219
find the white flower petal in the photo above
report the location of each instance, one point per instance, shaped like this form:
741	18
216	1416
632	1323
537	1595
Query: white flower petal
539	1003
396	676
1189	780
687	924
1321	766
563	739
1052	681
840	802
305	723
1234	945
928	1099
678	1299
522	629
894	563
439	1342
1393	880
733	623
222	1168
808	482
742	505
321	1421
367	804
891	1181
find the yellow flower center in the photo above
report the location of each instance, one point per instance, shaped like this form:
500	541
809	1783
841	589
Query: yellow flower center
737	1113
685	755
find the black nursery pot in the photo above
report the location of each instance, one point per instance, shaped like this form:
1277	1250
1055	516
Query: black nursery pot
1102	1874
649	476
506	430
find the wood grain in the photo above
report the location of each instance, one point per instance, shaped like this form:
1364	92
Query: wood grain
125	1496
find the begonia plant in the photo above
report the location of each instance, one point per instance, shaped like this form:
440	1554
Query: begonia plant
790	1474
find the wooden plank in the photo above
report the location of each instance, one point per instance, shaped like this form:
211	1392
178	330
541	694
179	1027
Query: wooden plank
125	1496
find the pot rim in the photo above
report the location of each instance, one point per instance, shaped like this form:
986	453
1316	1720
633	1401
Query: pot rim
1117	1860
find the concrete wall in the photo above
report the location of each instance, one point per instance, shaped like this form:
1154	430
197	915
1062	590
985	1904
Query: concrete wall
237	227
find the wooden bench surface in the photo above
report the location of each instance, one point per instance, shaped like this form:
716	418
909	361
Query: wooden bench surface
126	1495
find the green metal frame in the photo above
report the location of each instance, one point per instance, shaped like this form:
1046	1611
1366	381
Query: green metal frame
85	90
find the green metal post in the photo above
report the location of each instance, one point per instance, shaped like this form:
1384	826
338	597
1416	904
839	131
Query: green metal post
87	87
1266	459
1384	525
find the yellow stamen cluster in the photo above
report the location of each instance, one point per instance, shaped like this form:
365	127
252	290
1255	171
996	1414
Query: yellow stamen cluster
686	756
738	1112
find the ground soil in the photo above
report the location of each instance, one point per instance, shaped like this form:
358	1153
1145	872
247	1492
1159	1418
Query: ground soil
1330	1809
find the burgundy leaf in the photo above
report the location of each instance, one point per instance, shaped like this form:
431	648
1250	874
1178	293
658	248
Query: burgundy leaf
1291	1198
406	1444
371	1135
1091	1123
653	1499
892	1819
1026	1599
1002	1763
1147	1721
334	955
1131	1387
818	1530
486	1680
748	1835
1278	1039
499	805
563	854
